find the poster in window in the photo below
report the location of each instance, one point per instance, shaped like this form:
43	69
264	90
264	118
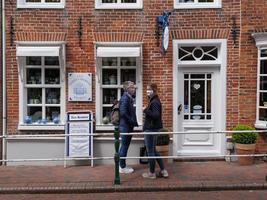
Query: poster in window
80	86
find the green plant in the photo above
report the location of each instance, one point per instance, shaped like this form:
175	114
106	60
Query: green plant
246	137
163	139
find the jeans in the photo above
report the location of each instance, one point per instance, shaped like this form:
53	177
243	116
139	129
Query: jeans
125	143
150	142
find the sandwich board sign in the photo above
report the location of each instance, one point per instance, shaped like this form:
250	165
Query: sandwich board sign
78	141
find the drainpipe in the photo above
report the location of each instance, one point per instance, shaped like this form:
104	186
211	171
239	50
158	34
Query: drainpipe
4	80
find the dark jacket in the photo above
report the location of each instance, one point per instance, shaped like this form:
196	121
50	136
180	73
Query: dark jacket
153	113
128	118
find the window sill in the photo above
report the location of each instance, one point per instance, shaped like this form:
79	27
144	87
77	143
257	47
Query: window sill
60	127
58	6
100	127
118	7
196	6
260	125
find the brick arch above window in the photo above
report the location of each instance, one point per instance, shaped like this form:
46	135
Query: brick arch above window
118	37
200	34
34	36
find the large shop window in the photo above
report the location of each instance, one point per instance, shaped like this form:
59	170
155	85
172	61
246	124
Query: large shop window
116	65
118	4
188	4
42	83
40	4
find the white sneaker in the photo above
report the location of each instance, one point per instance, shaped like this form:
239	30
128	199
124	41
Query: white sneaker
149	175
126	170
163	174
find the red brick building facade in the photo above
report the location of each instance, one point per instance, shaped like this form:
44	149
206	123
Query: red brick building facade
214	39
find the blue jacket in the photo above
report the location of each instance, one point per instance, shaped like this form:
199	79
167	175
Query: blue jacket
153	113
128	118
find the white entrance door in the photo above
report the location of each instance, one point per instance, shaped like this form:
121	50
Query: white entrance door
199	102
199	111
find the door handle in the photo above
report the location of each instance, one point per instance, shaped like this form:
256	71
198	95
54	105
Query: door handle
179	109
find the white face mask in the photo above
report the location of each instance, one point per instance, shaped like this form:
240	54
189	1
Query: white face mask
149	92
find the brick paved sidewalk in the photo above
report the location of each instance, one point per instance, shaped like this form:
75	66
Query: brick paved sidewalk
195	176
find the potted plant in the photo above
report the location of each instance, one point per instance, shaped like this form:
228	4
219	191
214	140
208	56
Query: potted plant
245	143
162	144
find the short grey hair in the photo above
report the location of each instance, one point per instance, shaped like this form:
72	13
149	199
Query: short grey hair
127	84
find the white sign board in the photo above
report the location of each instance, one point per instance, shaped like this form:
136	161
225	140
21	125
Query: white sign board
79	146
80	86
79	127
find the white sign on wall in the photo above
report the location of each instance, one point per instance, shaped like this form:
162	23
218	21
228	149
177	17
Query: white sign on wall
80	86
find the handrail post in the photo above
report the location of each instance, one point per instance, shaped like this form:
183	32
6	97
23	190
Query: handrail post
116	155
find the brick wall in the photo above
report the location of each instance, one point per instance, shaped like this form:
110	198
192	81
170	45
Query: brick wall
116	25
1	76
254	17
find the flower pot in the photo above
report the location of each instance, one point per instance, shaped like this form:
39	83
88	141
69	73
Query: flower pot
243	149
163	150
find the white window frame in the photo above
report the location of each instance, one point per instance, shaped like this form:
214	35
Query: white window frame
42	4
118	5
196	4
261	43
22	81
138	84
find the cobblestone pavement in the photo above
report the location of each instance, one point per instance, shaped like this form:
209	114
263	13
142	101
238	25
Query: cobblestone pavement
184	176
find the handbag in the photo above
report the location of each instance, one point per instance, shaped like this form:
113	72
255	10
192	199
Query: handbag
143	153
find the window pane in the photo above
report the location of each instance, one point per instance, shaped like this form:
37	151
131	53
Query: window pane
109	76
52	61
186	1
263	67
105	115
128	61
52	113
109	96
264	53
35	113
33	1
197	76
263	83
52	96
33	60
52	76
263	114
109	1
263	99
128	75
208	96
186	97
33	76
205	1
34	95
197	96
109	61
128	1
52	1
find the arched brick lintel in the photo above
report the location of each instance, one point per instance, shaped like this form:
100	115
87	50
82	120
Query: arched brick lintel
117	37
34	36
200	34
